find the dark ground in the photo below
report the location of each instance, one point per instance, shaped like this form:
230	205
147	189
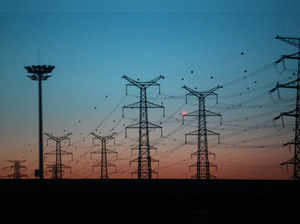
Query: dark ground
187	201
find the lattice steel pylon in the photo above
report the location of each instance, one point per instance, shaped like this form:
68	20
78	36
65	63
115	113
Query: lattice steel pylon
144	159
104	164
203	164
295	161
57	169
16	168
53	170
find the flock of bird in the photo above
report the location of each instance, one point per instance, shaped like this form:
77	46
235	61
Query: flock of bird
174	131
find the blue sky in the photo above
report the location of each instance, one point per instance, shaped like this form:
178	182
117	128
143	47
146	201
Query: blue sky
152	6
93	43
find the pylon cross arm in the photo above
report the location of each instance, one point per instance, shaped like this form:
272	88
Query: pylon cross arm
209	153
143	125
50	136
290	40
136	125
288	87
143	84
284	85
291	114
210	113
289	56
147	104
50	153
132	105
156	79
289	143
110	151
293	57
131	81
63	152
191	91
66	136
290	162
196	132
209	132
194	113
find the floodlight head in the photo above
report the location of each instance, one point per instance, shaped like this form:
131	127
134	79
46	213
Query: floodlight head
32	77
29	69
39	69
46	77
49	68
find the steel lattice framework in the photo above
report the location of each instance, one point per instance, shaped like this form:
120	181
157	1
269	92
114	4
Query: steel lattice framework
57	169
144	159
104	164
295	84
203	164
16	168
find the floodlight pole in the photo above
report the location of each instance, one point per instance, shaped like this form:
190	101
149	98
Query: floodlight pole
41	153
38	74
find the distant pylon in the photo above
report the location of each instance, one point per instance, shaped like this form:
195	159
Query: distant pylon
104	163
53	170
16	168
203	164
144	159
58	169
295	84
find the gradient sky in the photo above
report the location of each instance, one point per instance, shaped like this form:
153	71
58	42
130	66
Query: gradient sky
93	43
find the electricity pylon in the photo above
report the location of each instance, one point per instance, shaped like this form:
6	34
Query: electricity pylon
52	169
39	73
203	164
16	168
58	152
295	161
144	159
104	163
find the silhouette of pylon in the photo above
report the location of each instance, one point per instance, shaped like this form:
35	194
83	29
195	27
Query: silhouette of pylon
104	163
203	164
58	166
16	168
144	159
295	84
